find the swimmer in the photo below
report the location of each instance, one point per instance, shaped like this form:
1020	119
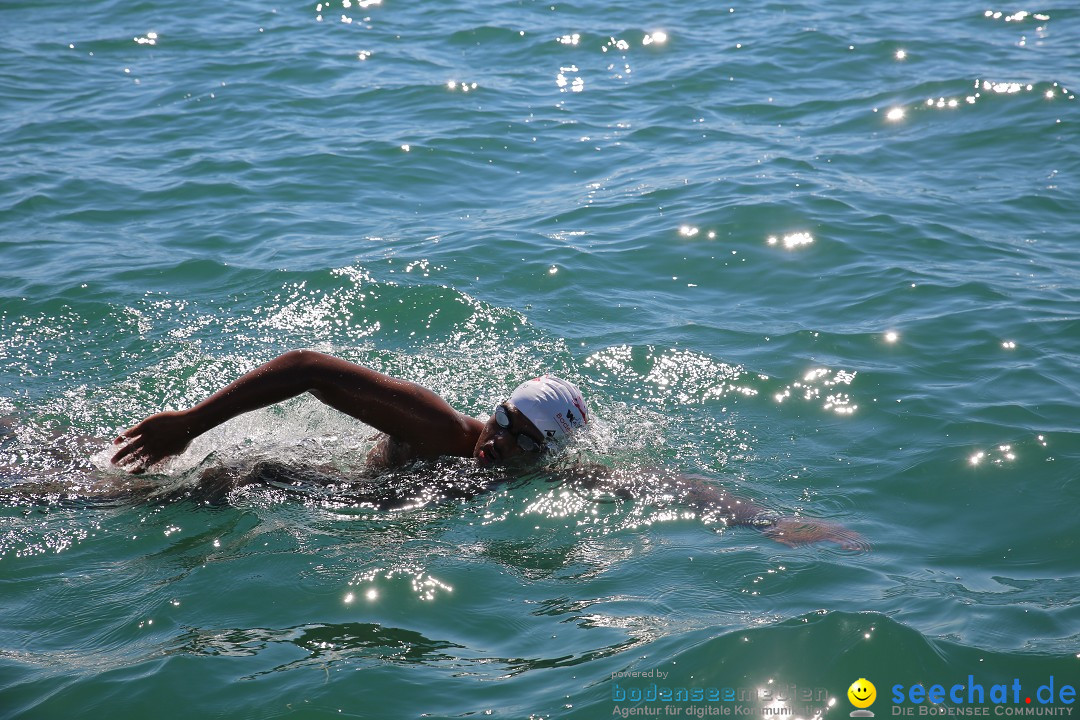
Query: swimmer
539	417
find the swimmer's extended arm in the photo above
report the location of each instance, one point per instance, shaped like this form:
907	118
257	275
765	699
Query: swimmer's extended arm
699	493
786	529
403	410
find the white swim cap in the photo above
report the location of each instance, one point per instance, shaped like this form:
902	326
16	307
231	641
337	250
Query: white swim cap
553	405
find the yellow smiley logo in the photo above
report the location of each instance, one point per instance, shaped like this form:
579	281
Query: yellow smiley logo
862	693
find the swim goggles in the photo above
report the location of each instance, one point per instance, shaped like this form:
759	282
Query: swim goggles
526	443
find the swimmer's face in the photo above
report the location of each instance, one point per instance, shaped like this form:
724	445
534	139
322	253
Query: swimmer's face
498	445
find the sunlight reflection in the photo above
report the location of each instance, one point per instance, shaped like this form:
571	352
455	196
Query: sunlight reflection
575	84
423	585
814	381
1018	16
792	240
1000	455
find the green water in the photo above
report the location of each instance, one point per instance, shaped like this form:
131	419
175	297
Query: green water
822	254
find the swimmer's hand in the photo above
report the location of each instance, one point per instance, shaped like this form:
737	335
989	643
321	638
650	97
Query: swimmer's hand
154	439
793	531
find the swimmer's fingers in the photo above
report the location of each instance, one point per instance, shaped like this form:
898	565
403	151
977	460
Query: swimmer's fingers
136	458
794	532
130	457
130	435
854	541
129	446
848	540
151	441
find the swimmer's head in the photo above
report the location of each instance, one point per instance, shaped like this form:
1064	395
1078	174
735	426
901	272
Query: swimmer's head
541	414
553	405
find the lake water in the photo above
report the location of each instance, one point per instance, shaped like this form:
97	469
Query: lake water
824	254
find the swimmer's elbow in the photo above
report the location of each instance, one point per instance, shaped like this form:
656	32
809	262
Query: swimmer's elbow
305	361
305	370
